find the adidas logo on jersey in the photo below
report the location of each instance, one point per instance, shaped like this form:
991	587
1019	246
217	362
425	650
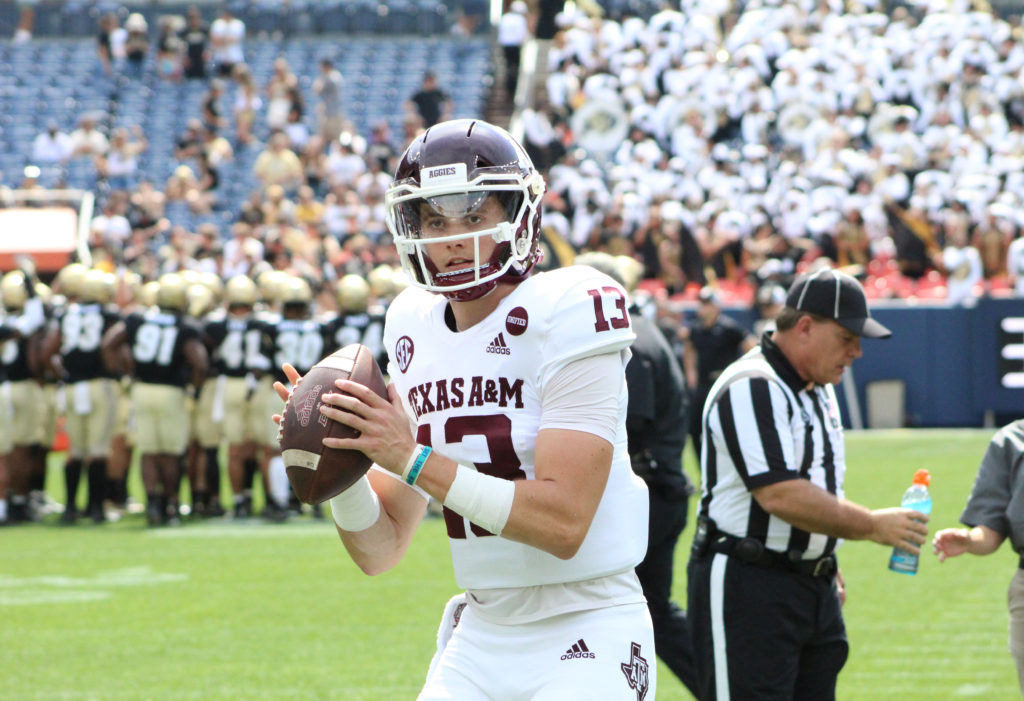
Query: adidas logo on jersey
578	651
498	346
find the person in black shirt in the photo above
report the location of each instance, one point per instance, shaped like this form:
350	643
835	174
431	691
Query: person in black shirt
356	321
167	354
431	102
235	343
298	339
109	58
210	108
136	43
656	425
190	143
169	51
380	147
710	343
195	35
22	399
72	346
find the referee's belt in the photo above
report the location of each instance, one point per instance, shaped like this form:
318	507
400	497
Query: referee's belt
753	552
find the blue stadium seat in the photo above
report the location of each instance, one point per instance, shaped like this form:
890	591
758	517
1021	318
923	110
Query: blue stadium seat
432	17
331	17
363	16
379	76
400	18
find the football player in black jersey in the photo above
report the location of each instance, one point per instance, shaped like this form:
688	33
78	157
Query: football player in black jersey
129	298
166	355
41	503
206	429
21	397
72	349
296	338
358	320
235	340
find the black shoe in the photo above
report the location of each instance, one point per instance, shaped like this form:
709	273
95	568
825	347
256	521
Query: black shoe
18	513
241	510
69	516
96	514
214	510
274	513
172	514
154	516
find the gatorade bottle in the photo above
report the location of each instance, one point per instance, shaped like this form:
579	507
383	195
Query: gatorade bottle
918	499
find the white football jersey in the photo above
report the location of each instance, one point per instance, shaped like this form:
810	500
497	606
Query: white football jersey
475	396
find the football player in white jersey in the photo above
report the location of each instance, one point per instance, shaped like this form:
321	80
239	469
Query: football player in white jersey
515	387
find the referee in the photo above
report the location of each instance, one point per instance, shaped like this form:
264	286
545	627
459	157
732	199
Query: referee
764	588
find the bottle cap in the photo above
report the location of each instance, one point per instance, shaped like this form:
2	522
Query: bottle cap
922	477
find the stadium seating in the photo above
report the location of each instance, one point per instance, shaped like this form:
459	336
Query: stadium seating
78	18
60	79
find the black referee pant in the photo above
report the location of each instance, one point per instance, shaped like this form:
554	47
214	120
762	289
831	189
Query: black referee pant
764	634
672	639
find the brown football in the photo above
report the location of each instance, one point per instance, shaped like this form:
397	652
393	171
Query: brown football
316	472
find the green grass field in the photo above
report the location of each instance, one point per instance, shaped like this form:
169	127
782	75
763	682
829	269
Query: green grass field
216	610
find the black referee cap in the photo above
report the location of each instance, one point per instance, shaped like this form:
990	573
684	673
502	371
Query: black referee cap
835	295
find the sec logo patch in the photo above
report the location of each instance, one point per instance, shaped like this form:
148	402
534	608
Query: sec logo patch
517	321
403	352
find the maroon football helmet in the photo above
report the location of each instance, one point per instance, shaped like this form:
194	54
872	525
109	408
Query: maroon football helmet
452	169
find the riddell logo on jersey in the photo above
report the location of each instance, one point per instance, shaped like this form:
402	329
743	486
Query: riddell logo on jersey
498	346
578	651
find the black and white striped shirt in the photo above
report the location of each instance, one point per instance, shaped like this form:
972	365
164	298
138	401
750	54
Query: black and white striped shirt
762	425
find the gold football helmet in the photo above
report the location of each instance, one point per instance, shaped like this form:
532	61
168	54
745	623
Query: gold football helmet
172	294
70	279
294	290
98	287
13	291
146	296
353	294
241	291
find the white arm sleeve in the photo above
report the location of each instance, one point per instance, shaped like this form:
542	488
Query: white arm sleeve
587	395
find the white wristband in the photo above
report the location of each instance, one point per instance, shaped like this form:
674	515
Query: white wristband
357	508
483	499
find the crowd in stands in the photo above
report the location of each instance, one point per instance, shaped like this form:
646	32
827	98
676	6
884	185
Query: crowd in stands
756	137
760	135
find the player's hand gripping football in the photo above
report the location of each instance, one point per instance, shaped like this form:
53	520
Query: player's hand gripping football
385	435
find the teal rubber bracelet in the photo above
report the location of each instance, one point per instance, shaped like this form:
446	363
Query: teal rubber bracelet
418	465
